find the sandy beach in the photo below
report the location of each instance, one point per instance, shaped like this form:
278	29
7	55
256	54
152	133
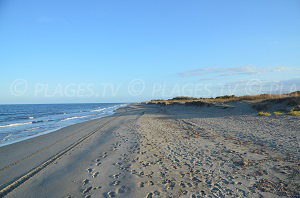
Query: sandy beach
150	99
160	151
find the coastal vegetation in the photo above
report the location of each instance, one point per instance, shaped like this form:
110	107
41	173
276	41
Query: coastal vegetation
264	113
292	99
279	104
294	113
277	113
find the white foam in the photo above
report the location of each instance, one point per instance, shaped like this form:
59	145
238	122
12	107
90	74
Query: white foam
97	110
72	118
75	117
30	132
15	124
83	116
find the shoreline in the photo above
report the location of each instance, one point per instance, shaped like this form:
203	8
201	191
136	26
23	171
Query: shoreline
159	151
9	142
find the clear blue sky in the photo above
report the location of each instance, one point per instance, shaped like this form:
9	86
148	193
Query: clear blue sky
52	43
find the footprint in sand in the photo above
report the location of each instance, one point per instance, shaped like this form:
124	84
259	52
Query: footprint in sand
133	171
149	195
150	183
109	194
116	176
114	183
182	184
84	182
95	174
121	189
156	192
193	196
141	184
88	189
89	170
171	185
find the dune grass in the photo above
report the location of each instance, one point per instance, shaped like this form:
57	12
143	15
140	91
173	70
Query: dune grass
277	98
264	113
294	113
277	113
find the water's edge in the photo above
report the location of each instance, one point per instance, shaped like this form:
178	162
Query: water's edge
17	140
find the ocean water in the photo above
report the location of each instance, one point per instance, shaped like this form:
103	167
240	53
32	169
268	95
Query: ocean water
20	122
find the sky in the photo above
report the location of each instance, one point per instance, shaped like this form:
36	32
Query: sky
64	51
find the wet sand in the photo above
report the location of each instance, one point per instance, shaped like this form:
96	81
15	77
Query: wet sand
155	151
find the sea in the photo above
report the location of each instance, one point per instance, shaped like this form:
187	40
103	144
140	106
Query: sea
23	121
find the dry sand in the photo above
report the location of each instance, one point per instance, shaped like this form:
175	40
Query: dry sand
154	151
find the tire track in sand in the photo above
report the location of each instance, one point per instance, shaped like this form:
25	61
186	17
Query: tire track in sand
18	182
45	148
